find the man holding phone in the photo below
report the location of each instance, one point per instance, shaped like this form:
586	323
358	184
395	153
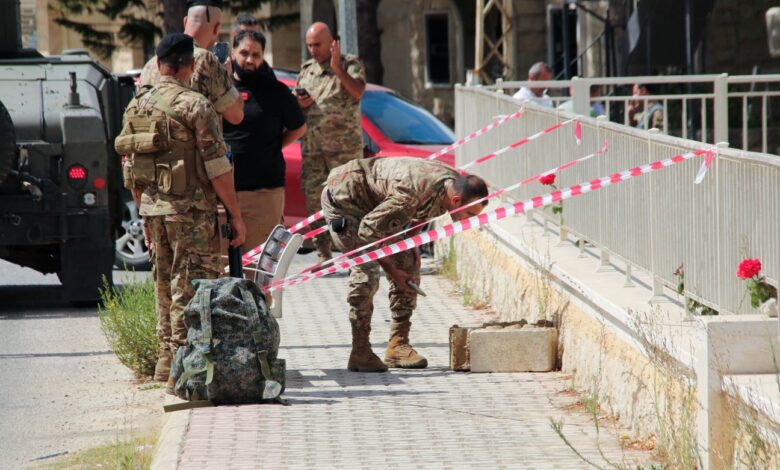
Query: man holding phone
210	78
329	89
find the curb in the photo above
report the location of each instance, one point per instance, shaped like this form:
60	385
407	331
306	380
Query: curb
171	440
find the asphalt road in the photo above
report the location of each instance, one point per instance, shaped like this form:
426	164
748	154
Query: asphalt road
61	388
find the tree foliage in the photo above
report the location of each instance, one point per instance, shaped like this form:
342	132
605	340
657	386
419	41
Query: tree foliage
138	23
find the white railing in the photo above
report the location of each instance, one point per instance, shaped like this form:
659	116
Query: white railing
656	222
742	110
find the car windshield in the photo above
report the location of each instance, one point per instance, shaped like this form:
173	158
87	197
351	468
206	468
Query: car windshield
403	121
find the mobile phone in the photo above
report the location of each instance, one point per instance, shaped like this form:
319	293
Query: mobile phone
221	50
301	92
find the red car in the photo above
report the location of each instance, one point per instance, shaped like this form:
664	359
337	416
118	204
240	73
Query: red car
393	126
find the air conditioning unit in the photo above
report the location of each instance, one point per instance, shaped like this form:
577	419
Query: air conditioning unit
773	30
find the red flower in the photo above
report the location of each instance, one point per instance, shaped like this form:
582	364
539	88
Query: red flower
547	179
749	268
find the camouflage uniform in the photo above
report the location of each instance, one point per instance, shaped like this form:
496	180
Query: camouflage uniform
210	79
378	197
184	227
334	135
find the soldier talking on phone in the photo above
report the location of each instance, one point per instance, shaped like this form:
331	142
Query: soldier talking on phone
329	89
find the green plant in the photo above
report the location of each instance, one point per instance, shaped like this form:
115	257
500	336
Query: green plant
691	305
122	454
129	321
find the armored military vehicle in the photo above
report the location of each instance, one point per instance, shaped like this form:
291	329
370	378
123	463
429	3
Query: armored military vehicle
60	199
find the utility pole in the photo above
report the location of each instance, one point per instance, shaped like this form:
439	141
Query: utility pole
348	26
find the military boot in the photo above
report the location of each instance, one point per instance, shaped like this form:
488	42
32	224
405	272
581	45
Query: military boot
362	358
163	367
170	386
400	353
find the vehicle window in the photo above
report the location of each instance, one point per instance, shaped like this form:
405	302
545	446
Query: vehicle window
403	121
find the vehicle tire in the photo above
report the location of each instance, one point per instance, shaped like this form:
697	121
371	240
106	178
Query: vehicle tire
7	142
131	251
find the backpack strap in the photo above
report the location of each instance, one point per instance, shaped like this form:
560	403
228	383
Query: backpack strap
187	405
165	104
272	389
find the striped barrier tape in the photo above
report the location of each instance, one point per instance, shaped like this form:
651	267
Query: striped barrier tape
474	135
251	256
472	203
508	210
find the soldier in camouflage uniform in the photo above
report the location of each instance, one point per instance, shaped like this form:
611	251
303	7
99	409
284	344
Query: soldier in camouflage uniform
177	170
211	79
333	87
368	199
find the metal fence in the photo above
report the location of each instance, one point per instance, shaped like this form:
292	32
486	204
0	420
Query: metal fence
742	110
656	222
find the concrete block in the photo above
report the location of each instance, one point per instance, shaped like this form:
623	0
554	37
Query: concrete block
528	349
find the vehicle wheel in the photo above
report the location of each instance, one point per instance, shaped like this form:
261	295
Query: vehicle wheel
131	251
7	142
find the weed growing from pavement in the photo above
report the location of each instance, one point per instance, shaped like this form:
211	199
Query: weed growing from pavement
122	454
129	321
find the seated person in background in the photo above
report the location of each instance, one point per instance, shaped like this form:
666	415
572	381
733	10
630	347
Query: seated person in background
539	96
272	121
644	112
596	107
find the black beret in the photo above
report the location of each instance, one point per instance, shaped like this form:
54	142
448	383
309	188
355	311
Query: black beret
175	43
206	3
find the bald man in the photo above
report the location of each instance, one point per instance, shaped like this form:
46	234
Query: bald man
329	89
210	78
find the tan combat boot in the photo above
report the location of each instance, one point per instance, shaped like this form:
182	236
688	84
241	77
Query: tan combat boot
400	353
163	367
362	358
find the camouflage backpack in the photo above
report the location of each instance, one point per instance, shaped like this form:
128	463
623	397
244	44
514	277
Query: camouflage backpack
232	346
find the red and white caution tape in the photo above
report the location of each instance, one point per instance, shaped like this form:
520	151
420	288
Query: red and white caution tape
498	214
459	209
474	135
250	256
514	145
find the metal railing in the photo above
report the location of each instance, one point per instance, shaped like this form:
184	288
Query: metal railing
656	222
741	110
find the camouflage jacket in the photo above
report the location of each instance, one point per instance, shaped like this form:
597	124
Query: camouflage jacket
201	124
386	194
210	78
333	120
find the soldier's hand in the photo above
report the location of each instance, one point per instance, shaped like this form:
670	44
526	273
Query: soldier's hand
402	278
229	66
239	232
148	237
304	101
335	54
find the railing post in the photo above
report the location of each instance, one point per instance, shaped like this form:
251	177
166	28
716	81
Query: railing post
499	83
629	278
581	96
658	291
604	265
721	108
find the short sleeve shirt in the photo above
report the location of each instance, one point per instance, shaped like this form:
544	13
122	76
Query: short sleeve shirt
334	119
210	79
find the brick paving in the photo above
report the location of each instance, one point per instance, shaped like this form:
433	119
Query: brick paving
431	418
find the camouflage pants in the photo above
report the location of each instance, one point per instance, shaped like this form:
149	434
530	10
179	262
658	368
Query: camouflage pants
364	279
185	248
316	167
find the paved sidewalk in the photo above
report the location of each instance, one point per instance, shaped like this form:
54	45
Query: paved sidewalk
432	418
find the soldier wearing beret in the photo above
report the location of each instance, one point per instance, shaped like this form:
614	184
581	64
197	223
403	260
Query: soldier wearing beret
369	199
330	87
210	78
177	170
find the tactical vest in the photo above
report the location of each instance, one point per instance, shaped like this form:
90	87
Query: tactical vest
153	157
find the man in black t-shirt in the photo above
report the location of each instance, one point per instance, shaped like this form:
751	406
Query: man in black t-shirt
272	120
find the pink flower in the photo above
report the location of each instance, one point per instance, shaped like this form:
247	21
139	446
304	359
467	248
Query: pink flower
749	268
547	180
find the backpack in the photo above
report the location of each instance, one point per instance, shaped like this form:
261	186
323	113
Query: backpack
232	347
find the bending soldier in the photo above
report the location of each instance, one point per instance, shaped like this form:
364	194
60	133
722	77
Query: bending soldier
368	199
176	168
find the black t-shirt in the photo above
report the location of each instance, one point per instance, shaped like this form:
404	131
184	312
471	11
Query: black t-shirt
256	143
